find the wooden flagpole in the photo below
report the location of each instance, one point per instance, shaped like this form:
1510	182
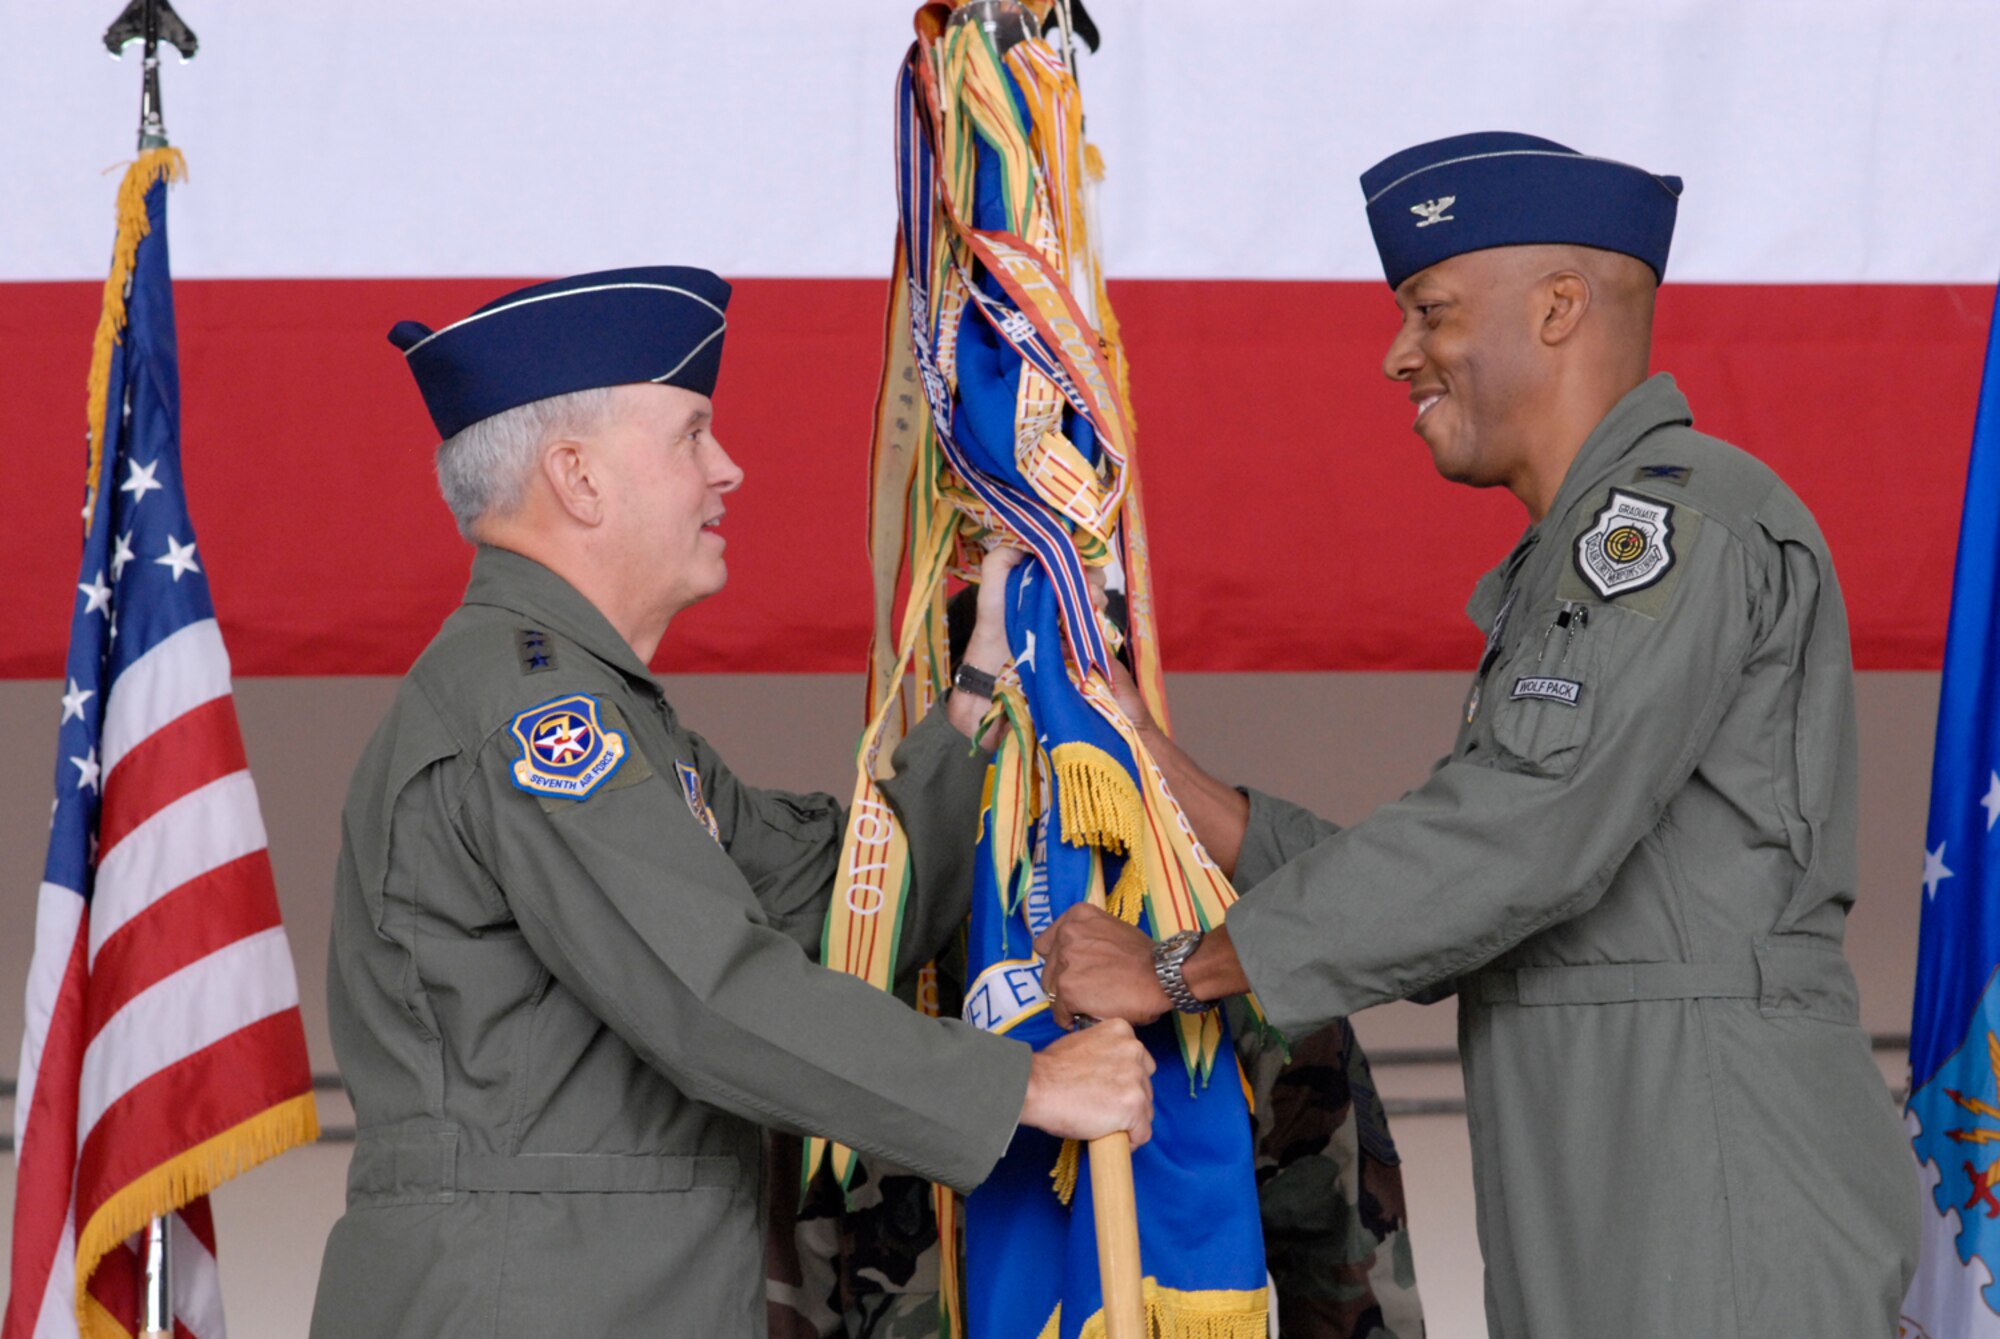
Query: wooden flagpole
1117	1211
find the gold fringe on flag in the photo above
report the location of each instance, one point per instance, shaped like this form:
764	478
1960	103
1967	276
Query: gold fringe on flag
97	1321
1173	1314
1100	805
164	164
1128	895
1068	1162
184	1177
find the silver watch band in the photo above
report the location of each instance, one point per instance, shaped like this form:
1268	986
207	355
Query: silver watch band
1168	956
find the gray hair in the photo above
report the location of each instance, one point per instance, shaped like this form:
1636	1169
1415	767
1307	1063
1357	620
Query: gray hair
486	467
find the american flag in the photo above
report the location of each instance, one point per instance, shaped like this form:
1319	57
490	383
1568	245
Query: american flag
164	1049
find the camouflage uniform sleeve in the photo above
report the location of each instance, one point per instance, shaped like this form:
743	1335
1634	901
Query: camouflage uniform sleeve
1329	1179
864	1270
1330	1193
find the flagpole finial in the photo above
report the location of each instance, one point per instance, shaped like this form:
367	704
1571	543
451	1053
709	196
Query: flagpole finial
150	22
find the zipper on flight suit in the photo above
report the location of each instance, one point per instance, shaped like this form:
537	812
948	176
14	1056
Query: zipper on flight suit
1495	639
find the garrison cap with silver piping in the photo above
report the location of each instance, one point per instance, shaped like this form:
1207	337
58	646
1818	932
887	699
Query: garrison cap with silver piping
1497	188
652	323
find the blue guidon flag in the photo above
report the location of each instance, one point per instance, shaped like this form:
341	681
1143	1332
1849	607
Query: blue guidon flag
1953	1114
565	749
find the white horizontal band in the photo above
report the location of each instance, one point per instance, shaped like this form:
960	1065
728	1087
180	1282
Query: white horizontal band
202	830
1808	134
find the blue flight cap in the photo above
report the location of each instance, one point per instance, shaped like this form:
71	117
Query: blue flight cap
657	323
1496	188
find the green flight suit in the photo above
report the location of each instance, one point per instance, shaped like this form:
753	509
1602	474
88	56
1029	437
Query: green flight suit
563	1021
1635	869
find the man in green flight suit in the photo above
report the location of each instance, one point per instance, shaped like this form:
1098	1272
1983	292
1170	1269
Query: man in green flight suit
571	970
1635	866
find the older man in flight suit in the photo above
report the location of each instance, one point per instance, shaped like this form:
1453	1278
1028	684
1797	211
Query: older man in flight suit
571	970
1635	865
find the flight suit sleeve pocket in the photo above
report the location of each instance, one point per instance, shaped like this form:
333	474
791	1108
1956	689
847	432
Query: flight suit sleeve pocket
409	754
1546	692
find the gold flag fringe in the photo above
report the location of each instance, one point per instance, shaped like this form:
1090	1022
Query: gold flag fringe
1065	1170
1128	896
1222	1313
186	1177
165	164
1100	803
97	1321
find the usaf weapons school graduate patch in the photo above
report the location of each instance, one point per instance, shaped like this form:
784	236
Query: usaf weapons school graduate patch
566	750
1629	553
691	789
1629	547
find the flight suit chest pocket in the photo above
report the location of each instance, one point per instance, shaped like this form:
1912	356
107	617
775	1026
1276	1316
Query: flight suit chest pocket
1545	692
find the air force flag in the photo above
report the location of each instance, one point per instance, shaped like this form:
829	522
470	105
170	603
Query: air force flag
1954	1109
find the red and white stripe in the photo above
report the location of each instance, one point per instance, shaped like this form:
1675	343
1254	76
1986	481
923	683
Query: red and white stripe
177	983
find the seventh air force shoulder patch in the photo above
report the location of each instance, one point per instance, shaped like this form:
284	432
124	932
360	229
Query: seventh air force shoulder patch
566	750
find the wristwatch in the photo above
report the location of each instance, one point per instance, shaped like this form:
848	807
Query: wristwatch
1168	956
974	681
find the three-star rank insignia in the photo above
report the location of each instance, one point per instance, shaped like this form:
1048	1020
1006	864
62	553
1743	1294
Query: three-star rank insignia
691	789
565	750
1629	547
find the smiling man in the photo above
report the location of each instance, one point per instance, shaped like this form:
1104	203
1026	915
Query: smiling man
570	975
1635	866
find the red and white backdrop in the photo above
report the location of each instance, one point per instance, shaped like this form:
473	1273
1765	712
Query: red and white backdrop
358	163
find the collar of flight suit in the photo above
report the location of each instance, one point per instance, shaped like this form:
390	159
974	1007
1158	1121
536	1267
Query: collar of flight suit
506	580
1654	403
